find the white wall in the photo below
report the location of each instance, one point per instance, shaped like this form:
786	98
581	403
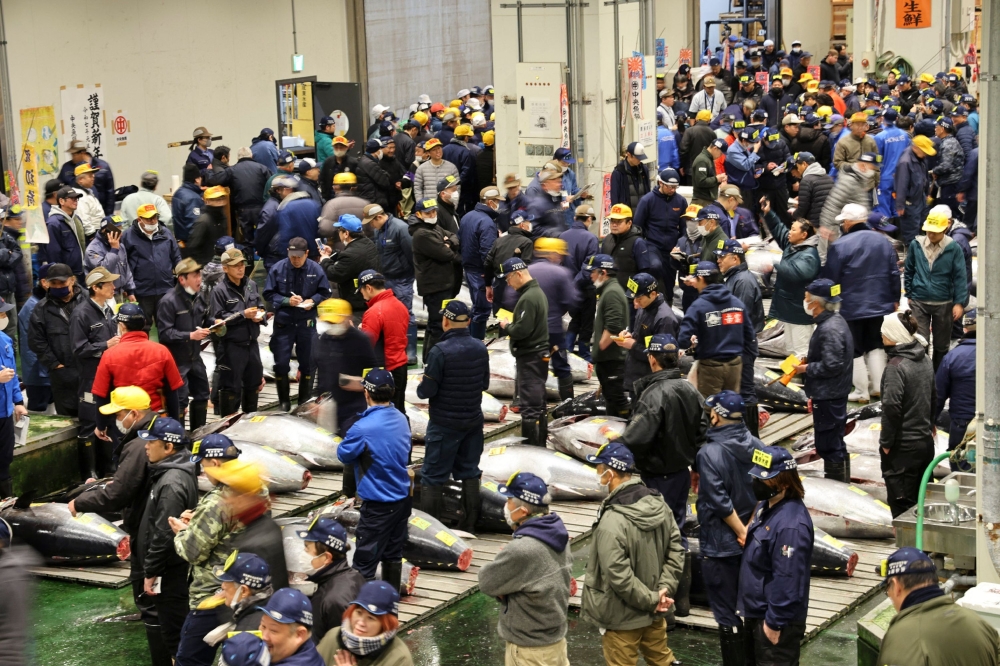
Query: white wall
810	23
172	66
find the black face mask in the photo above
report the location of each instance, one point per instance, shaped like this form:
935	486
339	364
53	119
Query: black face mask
762	491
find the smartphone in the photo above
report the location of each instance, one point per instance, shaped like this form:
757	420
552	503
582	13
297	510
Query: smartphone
320	243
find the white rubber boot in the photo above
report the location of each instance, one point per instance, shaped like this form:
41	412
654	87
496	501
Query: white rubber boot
860	393
875	360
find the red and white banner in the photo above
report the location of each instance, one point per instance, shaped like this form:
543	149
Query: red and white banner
686	57
605	203
764	80
564	115
635	71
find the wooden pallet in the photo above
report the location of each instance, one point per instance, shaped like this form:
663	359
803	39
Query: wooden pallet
830	598
114	575
784	425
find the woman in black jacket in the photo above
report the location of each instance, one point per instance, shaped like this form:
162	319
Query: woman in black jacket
906	440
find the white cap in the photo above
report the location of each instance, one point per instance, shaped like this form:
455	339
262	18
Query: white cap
379	109
943	209
853	212
796	41
414	108
474	103
639	150
424	99
768	42
462	93
860	79
478	119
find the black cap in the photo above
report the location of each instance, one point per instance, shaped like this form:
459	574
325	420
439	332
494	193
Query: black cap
59	272
297	247
67	192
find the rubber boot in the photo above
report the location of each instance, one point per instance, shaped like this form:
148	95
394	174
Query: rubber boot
7	488
470	504
860	393
229	402
733	649
250	397
431	500
875	360
392	573
583	351
836	470
198	414
411	344
543	430
529	430
566	388
87	458
284	389
350	484
104	452
682	599
305	388
214	395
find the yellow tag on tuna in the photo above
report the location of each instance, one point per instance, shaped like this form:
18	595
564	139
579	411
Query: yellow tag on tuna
107	529
875	426
497	450
855	489
761	458
632	285
419	523
597	421
833	541
883	505
489	485
257	419
445	538
560	454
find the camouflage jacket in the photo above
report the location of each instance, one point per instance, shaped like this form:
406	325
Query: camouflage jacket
205	544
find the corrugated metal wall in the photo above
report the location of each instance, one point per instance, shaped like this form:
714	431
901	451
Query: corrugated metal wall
435	47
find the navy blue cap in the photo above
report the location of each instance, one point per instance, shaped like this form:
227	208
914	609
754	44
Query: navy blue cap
903	79
245	569
564	155
825	83
614	455
953	78
511	265
825	289
603	262
811	119
873	97
729	246
707	214
130	312
455	310
427	204
890	114
705	268
727	404
289	606
662	343
378	598
244	648
721	144
326	120
214	447
640	284
907	560
967	99
328	532
960	111
804	156
223	243
936	105
771	461
168	429
526	487
366	276
446	182
758	114
880	222
669	176
378	378
714	61
5	306
869	158
306	164
348	222
927	92
373	146
945	121
386	129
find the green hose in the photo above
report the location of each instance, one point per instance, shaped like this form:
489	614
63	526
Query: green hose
923	493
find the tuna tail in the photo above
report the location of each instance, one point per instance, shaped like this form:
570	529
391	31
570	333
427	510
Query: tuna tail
565	489
462	534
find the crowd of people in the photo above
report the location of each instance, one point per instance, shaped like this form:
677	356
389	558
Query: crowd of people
868	187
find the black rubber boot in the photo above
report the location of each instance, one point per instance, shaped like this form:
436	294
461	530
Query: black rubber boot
566	388
543	430
392	573
837	470
529	430
214	395
431	500
104	452
158	652
250	396
198	414
6	488
305	388
682	600
733	649
350	484
87	458
284	390
470	505
229	402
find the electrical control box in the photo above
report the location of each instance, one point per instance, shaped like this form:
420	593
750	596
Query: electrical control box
542	114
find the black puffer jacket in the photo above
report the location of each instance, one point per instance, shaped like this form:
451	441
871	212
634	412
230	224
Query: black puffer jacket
344	267
48	335
815	142
907	400
515	243
668	423
814	188
248	181
338	586
173	489
435	255
11	265
373	182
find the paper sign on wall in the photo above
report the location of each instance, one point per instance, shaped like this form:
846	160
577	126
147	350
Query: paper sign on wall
661	52
38	127
564	116
685	58
814	72
912	14
647	133
121	126
81	116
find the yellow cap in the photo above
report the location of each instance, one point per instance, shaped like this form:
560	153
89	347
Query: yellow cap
340	141
216	192
464	130
345	178
146	211
333	310
126	398
489	137
493	115
786	71
455	103
824	112
84	168
620	212
925	145
927	78
243	477
421	118
936	222
692	211
704	114
859	117
546	244
432	143
806	76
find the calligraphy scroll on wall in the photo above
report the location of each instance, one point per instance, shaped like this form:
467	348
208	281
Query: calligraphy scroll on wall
81	116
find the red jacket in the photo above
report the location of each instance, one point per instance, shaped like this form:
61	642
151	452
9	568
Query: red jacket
135	361
386	321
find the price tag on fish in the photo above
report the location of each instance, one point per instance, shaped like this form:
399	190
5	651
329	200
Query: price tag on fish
761	458
505	315
833	541
419	523
445	538
497	450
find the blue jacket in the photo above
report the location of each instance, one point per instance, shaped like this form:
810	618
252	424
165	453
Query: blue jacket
944	282
476	233
580	243
740	166
33	373
722	324
864	264
658	317
265	152
100	253
658	216
298	217
550	219
283	280
629	184
201	159
267	241
559	287
830	358
969	185
569	186
774	574
962	235
186	205
152	260
743	285
306	655
104	182
458	154
956	379
395	253
64	245
723	463
457	373
966	135
378	445
10	393
892	144
910	179
668	153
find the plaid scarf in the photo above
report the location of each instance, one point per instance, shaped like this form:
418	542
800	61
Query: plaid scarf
363	645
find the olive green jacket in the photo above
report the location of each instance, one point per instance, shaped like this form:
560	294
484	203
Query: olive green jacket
529	332
938	632
611	316
395	653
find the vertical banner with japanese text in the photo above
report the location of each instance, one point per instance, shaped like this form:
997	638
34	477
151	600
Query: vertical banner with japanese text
564	116
34	229
38	127
605	227
82	117
661	52
635	81
764	80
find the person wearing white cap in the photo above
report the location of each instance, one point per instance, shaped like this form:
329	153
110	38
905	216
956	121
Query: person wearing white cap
770	54
463	95
378	114
854	185
630	179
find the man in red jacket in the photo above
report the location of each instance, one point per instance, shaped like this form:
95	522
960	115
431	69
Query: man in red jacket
136	361
386	321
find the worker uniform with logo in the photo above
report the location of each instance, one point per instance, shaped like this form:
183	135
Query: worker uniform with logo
288	606
655	318
612	315
629	250
658	218
337	583
294	326
516	243
743	285
774	573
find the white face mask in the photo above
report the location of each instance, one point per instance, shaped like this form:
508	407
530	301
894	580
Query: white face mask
120	424
430	220
323	327
786	82
149	229
377	155
796	49
190	291
237	597
600	481
340	153
313	569
508	518
805	306
702	231
208	144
